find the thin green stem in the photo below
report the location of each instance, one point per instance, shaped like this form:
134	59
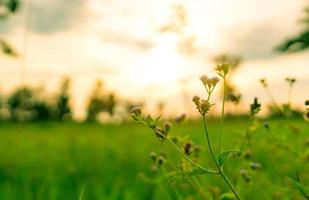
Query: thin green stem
222	114
273	100
199	188
242	145
174	189
290	94
245	137
189	160
184	155
216	161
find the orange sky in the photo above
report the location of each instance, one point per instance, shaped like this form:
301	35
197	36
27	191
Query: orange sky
121	42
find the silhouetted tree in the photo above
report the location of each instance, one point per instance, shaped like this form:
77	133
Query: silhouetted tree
8	7
24	105
300	42
100	102
63	110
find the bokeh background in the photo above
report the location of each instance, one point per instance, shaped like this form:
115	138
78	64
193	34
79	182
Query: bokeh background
150	50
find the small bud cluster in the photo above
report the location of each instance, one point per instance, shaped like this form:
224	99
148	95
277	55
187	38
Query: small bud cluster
255	107
187	147
209	82
222	69
158	160
263	81
245	175
291	81
160	132
203	106
255	165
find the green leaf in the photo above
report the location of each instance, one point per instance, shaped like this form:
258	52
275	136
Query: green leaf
224	155
227	196
301	188
198	172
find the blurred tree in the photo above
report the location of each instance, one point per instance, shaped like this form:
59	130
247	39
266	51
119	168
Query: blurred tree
8	7
24	105
232	93
100	102
63	110
300	42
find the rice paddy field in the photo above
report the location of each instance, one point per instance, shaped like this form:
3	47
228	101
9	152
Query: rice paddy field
54	161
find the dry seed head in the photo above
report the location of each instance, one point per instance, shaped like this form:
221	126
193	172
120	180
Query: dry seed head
153	156
204	79
244	173
136	110
188	147
136	113
214	80
161	160
204	107
196	100
167	126
291	81
222	69
160	133
307	102
209	82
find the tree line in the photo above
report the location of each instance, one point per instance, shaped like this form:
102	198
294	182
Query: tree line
26	104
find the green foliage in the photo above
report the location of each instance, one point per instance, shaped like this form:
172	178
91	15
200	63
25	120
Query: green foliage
55	160
299	42
225	154
8	7
227	196
301	188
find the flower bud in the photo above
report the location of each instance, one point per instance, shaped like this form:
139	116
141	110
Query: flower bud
222	69
167	126
255	165
187	147
153	156
244	173
196	100
161	160
160	133
204	79
136	110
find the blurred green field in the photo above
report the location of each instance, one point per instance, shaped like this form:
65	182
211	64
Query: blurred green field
92	161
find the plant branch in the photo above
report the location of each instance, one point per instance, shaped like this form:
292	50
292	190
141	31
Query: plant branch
216	162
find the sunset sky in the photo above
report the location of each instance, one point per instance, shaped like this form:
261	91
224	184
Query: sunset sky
135	46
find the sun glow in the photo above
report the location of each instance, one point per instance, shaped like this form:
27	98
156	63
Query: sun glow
162	65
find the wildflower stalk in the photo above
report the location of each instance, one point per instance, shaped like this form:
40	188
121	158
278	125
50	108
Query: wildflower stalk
194	182
222	114
242	145
245	137
189	160
273	100
220	170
